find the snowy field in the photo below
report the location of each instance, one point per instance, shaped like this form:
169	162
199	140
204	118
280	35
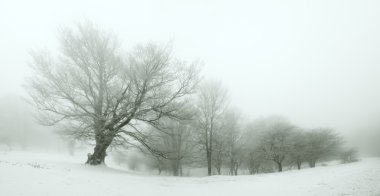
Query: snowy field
35	174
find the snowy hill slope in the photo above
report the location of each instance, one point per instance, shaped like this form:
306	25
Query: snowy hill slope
36	174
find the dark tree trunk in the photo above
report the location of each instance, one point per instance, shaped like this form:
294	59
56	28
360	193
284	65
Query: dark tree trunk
175	168
98	156
234	167
209	163
299	163
208	152
252	168
100	150
312	163
251	171
218	165
231	166
279	164
175	172
209	169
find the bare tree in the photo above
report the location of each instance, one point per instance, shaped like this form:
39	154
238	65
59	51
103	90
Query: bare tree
218	152
275	143
254	157
254	161
212	103
174	139
234	142
321	143
219	147
298	148
98	94
349	155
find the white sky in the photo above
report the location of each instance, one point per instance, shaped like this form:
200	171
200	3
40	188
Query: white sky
315	62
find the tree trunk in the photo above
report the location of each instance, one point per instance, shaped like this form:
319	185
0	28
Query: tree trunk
100	150
312	163
209	163
175	168
231	166
236	170
218	169
279	164
251	171
299	163
218	164
175	172
210	151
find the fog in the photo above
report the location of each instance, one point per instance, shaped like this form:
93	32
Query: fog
314	62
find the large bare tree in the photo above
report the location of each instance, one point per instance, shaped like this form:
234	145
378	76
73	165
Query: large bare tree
98	93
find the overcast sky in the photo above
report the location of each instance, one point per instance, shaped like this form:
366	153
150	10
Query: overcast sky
314	62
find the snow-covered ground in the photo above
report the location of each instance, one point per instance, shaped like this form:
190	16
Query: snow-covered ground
35	174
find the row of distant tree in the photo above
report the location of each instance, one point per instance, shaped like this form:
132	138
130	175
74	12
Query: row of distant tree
264	145
94	91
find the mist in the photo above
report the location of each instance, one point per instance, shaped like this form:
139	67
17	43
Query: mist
21	131
298	69
314	62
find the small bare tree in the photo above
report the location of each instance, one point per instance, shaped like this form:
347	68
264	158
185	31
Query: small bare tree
349	155
218	151
234	142
98	94
298	148
212	103
254	161
174	138
321	143
251	139
276	140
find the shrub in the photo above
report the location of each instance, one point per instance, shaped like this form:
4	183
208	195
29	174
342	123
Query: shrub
349	156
